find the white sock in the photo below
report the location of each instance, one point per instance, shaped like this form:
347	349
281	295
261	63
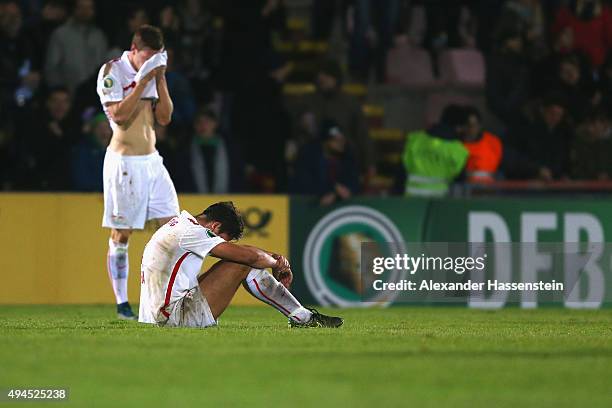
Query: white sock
118	269
266	288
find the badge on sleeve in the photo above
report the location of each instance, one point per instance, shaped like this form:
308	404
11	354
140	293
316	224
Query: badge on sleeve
108	82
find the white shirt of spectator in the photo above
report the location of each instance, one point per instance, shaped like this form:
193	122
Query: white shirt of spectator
116	80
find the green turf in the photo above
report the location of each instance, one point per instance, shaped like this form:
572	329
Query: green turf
421	357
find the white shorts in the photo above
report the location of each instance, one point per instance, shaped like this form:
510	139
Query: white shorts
191	310
136	189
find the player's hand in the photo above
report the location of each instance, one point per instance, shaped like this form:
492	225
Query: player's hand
282	270
161	72
282	264
285	278
151	75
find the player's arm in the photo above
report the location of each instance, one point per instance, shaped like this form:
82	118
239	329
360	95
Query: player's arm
120	112
164	106
246	255
255	258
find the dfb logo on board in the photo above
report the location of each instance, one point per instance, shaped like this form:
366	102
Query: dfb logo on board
332	255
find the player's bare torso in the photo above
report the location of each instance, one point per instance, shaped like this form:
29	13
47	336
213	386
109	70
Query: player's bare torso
137	136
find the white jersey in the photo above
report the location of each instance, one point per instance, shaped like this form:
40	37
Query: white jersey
116	81
171	263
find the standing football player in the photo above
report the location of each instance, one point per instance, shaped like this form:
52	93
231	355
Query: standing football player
137	186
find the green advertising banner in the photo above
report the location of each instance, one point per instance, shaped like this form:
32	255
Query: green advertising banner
326	242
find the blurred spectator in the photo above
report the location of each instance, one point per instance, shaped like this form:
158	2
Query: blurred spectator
329	101
434	158
53	14
88	154
18	78
8	152
326	167
167	140
590	24
574	86
207	165
590	153
76	49
196	38
605	84
451	124
137	16
372	29
507	81
484	148
411	25
449	25
528	18
487	14
46	148
170	24
223	51
180	90
261	125
540	143
251	75
247	39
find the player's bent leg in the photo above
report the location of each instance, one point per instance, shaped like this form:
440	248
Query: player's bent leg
220	283
266	288
118	270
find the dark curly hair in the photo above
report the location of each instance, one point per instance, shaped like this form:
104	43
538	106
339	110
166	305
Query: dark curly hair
228	215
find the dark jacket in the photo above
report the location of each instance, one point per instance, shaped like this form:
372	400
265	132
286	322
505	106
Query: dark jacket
533	145
314	171
87	164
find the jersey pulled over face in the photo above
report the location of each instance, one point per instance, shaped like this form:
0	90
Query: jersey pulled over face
116	81
171	263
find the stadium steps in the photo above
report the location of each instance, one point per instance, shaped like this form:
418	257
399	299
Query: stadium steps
387	135
306	47
304	88
375	115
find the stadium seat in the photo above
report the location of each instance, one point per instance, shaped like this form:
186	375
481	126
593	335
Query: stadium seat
462	68
410	66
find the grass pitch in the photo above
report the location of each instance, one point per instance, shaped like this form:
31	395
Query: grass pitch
421	357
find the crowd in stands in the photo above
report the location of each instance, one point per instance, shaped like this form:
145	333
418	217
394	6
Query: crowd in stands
546	68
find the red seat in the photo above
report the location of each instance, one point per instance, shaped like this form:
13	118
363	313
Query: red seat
462	67
410	66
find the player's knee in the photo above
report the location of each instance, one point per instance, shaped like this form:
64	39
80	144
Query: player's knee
237	268
121	236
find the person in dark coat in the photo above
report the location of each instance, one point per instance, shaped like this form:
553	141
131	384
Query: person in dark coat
88	154
540	144
327	167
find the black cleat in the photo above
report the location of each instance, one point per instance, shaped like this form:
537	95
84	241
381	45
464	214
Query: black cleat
318	320
124	312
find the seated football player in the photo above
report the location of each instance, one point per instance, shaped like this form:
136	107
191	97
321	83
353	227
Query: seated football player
173	295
